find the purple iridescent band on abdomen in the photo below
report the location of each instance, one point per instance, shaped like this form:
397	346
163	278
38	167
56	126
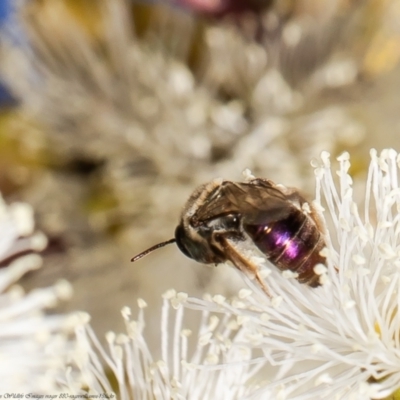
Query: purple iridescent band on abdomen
292	243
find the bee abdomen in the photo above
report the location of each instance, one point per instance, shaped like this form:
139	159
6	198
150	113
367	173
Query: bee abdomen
293	243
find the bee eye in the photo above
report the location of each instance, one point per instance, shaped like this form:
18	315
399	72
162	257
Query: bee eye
180	239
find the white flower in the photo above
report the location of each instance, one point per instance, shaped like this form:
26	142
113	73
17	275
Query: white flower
187	368
341	340
34	348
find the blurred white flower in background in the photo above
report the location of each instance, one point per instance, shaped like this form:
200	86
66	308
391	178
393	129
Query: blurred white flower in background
34	347
134	118
338	341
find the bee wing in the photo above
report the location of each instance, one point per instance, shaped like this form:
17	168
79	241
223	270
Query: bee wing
241	262
257	201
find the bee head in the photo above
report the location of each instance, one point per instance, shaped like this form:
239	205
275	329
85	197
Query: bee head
196	248
200	243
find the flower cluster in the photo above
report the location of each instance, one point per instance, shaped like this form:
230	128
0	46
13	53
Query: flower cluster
185	369
34	347
341	340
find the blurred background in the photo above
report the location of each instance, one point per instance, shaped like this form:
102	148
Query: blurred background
112	112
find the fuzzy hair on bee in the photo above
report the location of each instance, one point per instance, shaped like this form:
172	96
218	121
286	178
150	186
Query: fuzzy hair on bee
221	217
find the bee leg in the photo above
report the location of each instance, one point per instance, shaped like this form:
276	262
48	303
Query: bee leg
242	263
263	285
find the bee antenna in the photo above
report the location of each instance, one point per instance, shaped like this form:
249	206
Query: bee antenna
151	249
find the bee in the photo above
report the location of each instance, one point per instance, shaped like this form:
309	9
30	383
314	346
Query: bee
222	218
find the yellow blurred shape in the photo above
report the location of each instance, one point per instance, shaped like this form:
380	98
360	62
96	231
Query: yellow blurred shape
377	329
383	55
85	12
21	150
393	396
